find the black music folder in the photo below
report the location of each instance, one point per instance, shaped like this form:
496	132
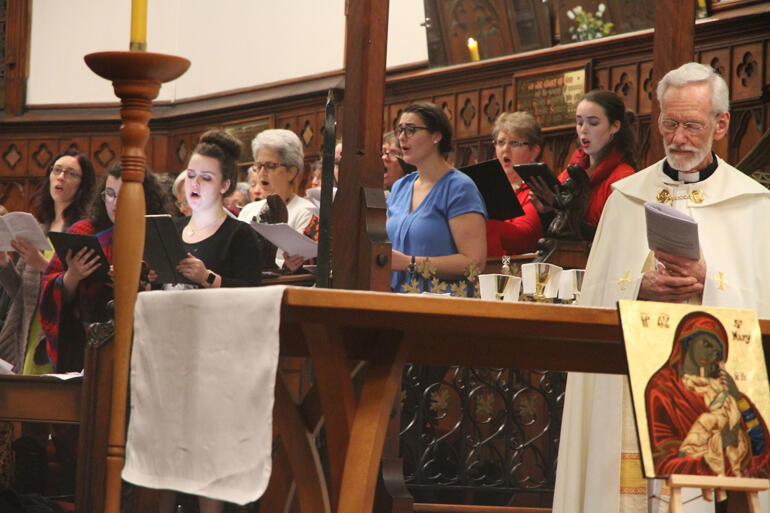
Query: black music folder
63	242
163	249
527	171
499	198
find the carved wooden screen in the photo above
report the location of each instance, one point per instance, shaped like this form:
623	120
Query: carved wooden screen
500	27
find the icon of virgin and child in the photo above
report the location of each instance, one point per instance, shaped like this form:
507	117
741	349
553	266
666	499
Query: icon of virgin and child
698	419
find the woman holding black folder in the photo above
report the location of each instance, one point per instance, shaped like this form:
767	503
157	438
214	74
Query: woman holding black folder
69	302
436	212
518	140
221	250
606	151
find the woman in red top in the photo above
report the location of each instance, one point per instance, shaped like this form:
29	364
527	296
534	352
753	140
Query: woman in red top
518	140
606	151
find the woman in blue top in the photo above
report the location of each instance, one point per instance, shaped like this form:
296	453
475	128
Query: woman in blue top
436	212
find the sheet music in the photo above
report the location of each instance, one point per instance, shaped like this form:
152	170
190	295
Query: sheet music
67	375
21	224
288	239
5	367
671	231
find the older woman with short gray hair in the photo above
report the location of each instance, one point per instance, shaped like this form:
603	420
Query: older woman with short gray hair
278	163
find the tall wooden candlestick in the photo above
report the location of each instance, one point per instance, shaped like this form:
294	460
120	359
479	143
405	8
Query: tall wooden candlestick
136	77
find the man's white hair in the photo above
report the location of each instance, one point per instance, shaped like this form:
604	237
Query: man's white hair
696	73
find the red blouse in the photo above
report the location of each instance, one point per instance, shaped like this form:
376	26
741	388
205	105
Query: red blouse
518	235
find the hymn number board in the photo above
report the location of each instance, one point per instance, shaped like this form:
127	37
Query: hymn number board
552	96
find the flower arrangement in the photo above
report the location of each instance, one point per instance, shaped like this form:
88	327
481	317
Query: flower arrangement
587	26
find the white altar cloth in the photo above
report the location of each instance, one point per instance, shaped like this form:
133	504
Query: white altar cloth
202	386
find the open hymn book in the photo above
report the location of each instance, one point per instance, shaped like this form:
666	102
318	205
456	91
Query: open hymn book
21	224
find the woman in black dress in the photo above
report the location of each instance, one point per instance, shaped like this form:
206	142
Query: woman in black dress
222	251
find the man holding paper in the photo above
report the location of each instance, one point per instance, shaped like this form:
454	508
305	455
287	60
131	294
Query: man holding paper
731	211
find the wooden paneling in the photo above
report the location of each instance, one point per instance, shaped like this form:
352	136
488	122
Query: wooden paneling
646	89
625	83
467	114
470	94
80	144
13	157
747	71
40	155
718	59
492	104
104	152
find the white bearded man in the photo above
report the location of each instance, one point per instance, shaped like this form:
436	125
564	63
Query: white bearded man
599	470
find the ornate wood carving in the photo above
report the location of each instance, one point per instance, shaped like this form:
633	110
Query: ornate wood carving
625	85
492	106
646	88
746	128
104	154
600	79
747	72
500	28
466	154
41	158
14	153
467	122
643	141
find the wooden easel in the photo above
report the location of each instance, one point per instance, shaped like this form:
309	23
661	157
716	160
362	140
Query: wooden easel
720	484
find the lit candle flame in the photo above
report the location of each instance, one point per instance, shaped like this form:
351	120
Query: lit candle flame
473	48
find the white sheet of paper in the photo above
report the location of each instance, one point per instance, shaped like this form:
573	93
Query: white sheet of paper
671	231
314	194
288	239
21	224
5	367
67	375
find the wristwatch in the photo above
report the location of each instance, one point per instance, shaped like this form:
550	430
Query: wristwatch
211	278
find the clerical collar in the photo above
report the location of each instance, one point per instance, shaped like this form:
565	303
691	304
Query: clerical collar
694	176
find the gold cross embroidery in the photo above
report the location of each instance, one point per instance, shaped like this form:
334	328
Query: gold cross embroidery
722	281
623	281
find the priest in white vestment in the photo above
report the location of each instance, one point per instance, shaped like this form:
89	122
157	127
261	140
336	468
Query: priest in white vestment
599	470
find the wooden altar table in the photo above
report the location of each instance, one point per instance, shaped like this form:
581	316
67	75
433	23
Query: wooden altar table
334	327
338	327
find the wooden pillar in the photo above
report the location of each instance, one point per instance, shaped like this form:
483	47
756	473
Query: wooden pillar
17	34
360	247
136	78
673	45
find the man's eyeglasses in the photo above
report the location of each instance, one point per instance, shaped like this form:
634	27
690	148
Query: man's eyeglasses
267	166
691	127
109	194
502	143
408	130
391	154
69	174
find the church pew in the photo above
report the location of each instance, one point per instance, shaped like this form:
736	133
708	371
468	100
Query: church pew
82	401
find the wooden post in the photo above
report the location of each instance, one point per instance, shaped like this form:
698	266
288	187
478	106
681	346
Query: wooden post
673	45
136	77
17	36
360	247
